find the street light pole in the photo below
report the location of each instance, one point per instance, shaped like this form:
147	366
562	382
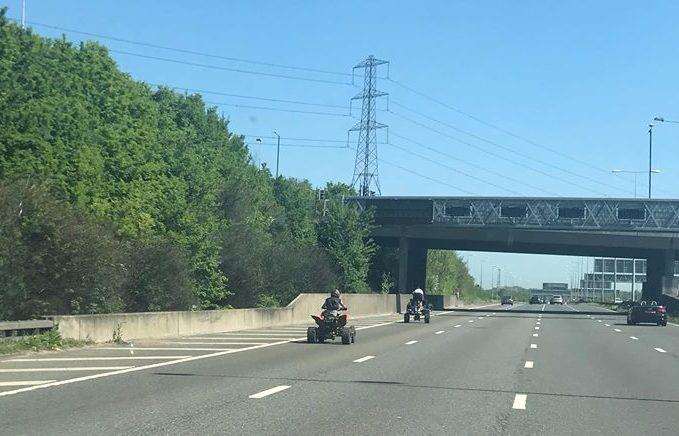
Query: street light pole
278	150
650	157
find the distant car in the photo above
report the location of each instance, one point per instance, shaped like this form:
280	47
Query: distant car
648	313
535	300
507	300
556	299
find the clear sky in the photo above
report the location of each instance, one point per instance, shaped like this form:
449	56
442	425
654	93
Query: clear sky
581	78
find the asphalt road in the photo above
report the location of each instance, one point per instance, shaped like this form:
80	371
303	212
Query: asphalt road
485	373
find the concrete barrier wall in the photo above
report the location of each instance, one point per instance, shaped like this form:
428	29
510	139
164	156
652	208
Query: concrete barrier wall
148	325
101	328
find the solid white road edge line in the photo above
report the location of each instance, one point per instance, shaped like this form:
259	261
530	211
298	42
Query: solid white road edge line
411	342
660	350
162	349
519	402
529	364
363	359
26	382
84	359
160	364
268	392
75	368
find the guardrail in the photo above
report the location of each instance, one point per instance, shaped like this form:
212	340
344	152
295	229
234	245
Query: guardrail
20	329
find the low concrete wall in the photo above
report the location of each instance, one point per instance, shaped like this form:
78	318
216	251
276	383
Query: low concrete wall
147	325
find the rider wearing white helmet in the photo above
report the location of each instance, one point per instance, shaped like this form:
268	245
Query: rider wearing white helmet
418	297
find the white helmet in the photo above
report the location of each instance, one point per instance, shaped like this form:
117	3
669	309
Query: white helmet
418	291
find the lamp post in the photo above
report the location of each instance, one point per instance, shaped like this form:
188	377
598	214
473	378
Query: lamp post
650	146
278	150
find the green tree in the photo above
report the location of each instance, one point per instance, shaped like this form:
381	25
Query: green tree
344	233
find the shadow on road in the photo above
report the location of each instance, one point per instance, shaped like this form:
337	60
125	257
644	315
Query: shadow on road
414	386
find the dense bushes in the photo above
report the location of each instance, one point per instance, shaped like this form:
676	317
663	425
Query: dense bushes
117	196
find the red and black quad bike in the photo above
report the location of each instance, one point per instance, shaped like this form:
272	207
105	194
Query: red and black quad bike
329	325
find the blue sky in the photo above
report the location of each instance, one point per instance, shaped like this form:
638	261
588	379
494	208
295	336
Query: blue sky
582	78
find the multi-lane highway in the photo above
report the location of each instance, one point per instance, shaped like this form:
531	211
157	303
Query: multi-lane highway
465	373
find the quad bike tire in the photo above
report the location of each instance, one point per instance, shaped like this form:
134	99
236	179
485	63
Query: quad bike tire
426	318
345	333
406	318
312	335
353	336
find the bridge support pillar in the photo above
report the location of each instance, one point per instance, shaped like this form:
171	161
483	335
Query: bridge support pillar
412	266
659	273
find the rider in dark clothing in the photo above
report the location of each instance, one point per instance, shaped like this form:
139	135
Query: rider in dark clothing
334	302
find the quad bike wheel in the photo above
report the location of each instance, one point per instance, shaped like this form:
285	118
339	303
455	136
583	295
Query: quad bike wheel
346	335
406	318
311	335
426	318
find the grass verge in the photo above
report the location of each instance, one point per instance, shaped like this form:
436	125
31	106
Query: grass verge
51	340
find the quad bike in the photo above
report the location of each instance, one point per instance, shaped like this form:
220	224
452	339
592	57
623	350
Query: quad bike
417	312
329	326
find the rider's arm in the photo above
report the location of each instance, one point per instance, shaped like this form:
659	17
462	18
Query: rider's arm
342	305
325	305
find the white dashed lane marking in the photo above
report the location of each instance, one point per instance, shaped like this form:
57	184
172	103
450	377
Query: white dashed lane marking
363	359
535	335
617	330
634	337
411	342
519	402
607	325
457	325
660	350
268	392
439	332
537	328
533	346
471	320
529	364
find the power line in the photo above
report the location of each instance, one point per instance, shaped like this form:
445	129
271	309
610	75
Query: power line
506	148
490	153
481	167
478	179
251	97
192	52
336	147
496	127
267	108
221	68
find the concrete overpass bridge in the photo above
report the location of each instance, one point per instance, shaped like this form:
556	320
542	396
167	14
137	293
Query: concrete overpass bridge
606	227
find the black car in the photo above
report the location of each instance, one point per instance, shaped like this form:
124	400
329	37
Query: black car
648	313
535	300
507	300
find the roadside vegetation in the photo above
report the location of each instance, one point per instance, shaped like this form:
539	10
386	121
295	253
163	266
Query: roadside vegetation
50	340
116	196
